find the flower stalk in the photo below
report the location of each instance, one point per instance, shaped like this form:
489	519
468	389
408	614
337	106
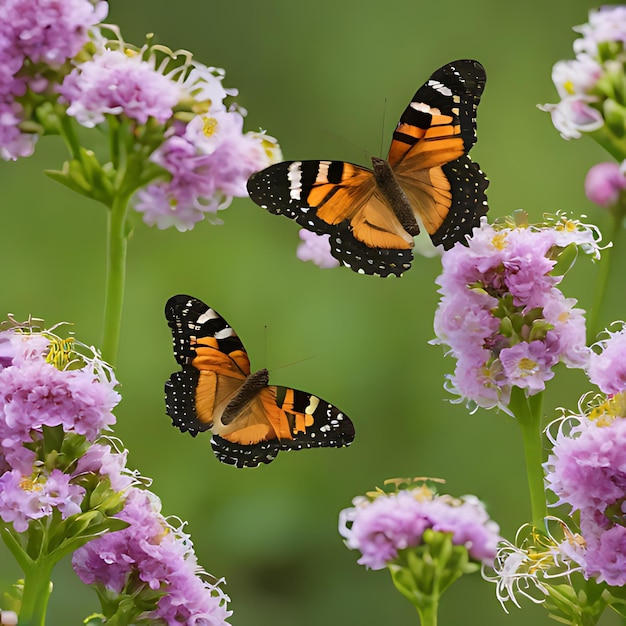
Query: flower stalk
528	412
117	240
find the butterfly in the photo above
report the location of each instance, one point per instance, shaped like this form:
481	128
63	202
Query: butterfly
250	421
428	179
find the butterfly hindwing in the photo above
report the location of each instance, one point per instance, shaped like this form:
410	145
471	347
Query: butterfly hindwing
429	172
249	420
304	421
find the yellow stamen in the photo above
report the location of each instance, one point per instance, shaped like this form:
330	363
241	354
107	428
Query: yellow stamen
28	484
60	352
499	240
209	126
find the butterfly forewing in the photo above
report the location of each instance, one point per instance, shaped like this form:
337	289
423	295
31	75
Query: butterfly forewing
445	104
250	421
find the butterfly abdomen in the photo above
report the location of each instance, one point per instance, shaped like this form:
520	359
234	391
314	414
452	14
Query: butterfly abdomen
387	183
250	388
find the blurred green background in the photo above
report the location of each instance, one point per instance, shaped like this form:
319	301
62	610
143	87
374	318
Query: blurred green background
328	79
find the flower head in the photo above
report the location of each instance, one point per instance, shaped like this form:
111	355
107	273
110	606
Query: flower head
114	82
587	471
589	84
37	37
382	527
501	312
47	386
607	369
527	567
161	557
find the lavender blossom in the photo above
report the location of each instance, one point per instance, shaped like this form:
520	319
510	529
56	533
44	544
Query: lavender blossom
316	248
151	555
390	523
36	37
117	83
586	85
607	369
502	314
604	184
587	471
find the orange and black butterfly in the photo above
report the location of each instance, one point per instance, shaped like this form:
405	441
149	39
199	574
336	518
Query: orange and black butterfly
427	180
250	421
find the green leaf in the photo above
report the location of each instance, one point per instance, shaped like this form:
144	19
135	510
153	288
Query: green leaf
565	260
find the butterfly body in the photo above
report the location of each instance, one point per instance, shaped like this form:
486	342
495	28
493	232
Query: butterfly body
250	421
428	180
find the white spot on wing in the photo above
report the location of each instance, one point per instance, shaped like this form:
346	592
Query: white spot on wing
294	175
322	172
225	332
424	108
205	317
440	87
313	404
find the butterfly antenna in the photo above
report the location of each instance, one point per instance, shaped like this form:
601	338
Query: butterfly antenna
382	130
366	153
292	363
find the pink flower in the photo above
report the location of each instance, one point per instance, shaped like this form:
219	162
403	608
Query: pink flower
389	523
604	184
116	83
209	160
316	248
36	36
528	365
502	315
24	498
587	466
608	23
607	369
152	551
49	31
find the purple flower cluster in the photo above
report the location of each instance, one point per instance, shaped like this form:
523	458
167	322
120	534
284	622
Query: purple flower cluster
205	156
36	35
501	313
382	527
607	368
114	82
35	481
587	470
35	394
24	498
579	82
161	557
209	160
316	248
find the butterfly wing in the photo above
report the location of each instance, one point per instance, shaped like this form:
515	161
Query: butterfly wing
250	421
214	364
429	148
342	200
280	418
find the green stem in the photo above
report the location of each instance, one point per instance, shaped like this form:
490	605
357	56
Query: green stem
528	412
604	273
615	146
428	611
115	277
37	589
